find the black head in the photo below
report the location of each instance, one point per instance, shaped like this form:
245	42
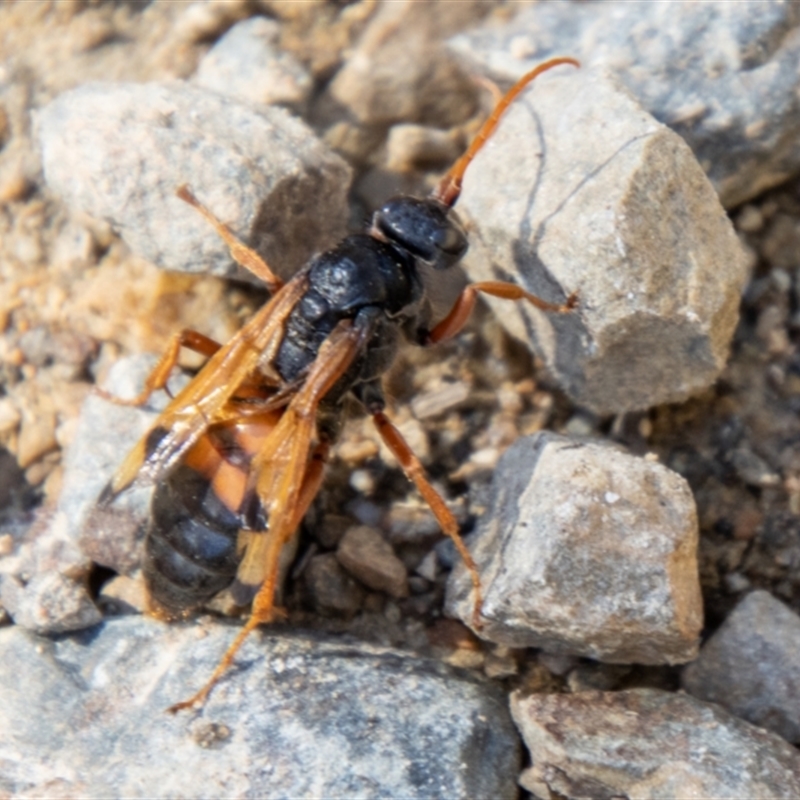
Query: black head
427	229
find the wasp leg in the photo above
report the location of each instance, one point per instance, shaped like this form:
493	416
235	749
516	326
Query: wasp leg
415	472
157	379
264	609
462	308
240	252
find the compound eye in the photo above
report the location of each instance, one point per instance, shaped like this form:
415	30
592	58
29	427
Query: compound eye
451	241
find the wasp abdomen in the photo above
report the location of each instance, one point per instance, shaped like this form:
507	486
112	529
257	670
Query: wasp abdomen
190	550
189	557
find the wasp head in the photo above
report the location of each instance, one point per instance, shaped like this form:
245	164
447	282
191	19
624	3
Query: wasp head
427	229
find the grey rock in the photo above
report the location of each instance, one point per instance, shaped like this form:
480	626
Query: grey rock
330	587
43	581
119	151
44	586
368	557
593	675
248	65
297	717
751	665
581	190
722	75
48	603
586	550
110	536
752	469
649	745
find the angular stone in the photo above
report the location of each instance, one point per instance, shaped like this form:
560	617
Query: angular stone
722	75
586	550
248	65
751	665
369	558
649	745
260	170
330	587
581	190
296	717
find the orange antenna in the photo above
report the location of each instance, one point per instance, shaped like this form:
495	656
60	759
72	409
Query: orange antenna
449	187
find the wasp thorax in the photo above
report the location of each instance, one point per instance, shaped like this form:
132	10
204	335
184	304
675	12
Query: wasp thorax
425	228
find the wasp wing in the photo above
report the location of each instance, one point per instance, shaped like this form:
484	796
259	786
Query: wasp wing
285	480
189	414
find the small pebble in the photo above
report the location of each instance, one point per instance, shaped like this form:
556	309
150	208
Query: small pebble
248	65
330	587
367	556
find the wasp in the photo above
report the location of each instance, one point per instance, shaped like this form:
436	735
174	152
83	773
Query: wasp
238	455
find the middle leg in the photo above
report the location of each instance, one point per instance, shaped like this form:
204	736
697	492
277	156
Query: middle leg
157	379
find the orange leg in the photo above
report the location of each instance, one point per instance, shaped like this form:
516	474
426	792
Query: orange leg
462	308
158	378
240	252
415	472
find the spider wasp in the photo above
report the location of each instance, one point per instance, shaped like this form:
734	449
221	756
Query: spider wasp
238	455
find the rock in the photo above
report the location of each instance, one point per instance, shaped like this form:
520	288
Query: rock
369	558
722	75
751	665
587	551
37	436
48	603
124	595
41	347
428	568
599	198
297	717
411	146
589	675
261	171
440	398
648	744
43	584
752	469
201	21
110	536
44	587
10	418
330	587
399	72
247	64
